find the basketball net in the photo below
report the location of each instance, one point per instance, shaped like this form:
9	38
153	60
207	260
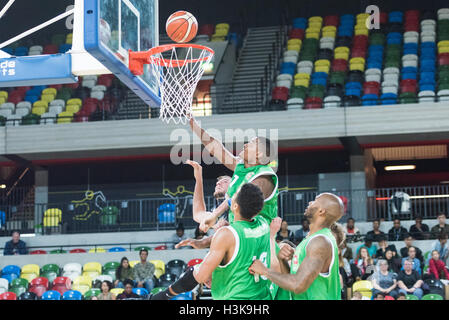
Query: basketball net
177	77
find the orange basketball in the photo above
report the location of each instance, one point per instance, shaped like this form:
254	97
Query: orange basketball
181	26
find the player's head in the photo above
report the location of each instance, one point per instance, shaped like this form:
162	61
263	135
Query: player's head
221	187
247	202
258	151
325	210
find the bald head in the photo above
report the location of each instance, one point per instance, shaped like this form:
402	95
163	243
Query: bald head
333	206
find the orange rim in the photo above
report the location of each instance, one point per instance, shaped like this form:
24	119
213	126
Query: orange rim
176	63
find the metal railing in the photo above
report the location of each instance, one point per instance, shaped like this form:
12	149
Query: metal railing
144	214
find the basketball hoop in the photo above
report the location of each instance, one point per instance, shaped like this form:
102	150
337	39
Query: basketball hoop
177	78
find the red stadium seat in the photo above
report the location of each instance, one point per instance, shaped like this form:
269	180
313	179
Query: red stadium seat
50	49
62	284
104	80
389	298
77	251
8	296
339	65
56	86
193	262
163	247
331	21
38	286
280	93
207	29
296	34
313	103
72	85
383	19
38	252
81	116
443	59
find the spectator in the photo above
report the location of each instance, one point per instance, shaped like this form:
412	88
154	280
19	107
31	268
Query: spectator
302	232
397	233
351	231
364	263
128	293
440	227
394	263
379	296
179	236
437	267
409	281
419	231
15	246
376	234
384	281
408	243
106	293
401	296
372	248
383	247
412	257
285	233
123	272
346	251
441	246
144	272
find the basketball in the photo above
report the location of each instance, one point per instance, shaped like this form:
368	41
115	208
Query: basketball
181	26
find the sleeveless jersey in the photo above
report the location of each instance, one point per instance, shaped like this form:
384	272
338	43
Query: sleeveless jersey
233	281
326	286
244	175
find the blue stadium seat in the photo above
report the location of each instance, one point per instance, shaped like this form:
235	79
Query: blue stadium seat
117	249
9	269
72	295
184	296
51	295
141	292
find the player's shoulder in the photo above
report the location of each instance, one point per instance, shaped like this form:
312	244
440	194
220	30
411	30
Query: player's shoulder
225	233
319	243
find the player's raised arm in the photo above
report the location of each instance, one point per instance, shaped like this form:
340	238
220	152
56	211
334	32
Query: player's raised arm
215	147
199	205
318	253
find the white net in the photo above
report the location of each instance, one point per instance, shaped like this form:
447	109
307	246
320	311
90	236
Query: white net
179	70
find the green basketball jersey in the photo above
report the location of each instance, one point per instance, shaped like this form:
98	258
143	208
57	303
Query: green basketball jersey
244	175
326	286
233	281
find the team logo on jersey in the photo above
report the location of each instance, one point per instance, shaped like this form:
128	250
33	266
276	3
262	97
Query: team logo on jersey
249	175
295	259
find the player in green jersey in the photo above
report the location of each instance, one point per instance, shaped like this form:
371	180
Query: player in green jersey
314	272
251	165
232	250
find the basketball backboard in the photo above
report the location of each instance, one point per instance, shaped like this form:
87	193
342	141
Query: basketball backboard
111	28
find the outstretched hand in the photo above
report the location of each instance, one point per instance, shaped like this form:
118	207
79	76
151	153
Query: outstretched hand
187	242
207	223
197	168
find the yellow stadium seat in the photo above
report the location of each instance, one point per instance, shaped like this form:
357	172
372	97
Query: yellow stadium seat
302	76
82	284
52	217
329	28
220	33
117	291
315	19
294	42
39	110
65	117
341	55
73	108
133	263
329	34
325	69
4	94
358	66
313	28
97	250
30	272
92	269
47	98
364	287
302	82
52	91
443	43
217	39
341	49
2	100
362	15
28	276
443	50
361	32
296	48
222	26
75	101
322	62
357	60
41	103
313	35
160	267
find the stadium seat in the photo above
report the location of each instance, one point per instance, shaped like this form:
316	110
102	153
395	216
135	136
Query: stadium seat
89	294
142	292
116	249
72	270
51	295
109	268
160	267
97	250
193	262
72	295
364	287
4	285
38	252
78	250
99	279
39	286
161	247
9	277
62	284
157	290
117	291
92	269
132	263
432	296
19	286
11	269
30	272
166	280
28	296
8	296
175	267
50	271
82	284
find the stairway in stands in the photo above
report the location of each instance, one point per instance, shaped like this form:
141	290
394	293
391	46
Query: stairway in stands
255	71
